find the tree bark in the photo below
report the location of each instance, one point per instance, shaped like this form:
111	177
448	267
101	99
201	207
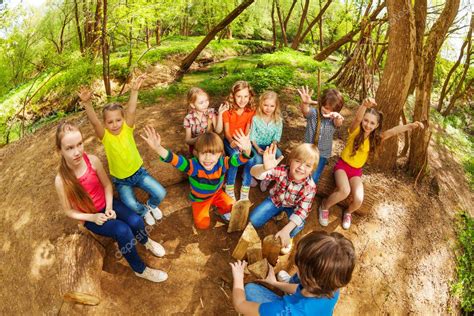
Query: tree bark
420	8
420	138
274	35
285	23
188	61
296	40
158	33
105	52
395	82
282	26
346	38
78	26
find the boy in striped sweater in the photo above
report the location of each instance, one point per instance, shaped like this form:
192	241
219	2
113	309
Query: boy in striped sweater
206	171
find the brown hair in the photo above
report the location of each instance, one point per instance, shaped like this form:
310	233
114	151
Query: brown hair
193	93
238	86
75	193
276	116
332	99
375	137
209	142
325	262
305	152
112	107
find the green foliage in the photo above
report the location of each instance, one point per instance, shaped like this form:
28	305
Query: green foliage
463	288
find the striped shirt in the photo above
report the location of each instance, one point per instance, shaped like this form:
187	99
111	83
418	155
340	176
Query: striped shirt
289	193
326	132
205	183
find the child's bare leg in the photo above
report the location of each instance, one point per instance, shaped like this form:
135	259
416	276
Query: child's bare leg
357	189
343	189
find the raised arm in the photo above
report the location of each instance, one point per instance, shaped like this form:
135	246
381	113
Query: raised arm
305	94
85	95
132	101
269	162
219	124
400	129
153	139
98	218
367	103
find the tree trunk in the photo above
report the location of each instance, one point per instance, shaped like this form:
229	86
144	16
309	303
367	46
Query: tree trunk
274	35
105	52
282	26
420	138
420	8
296	40
147	36
285	23
395	82
346	38
78	26
97	26
158	33
188	61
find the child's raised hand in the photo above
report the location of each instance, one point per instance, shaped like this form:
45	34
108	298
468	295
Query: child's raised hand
223	107
238	268
137	82
269	160
243	141
369	103
305	94
84	94
418	124
270	279
152	138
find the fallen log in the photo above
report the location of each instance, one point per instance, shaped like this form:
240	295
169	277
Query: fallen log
254	253
239	216
80	265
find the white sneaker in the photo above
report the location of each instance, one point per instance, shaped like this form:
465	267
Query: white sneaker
346	220
149	219
156	212
283	276
153	275
155	248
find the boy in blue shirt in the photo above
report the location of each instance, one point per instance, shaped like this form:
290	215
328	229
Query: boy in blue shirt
325	263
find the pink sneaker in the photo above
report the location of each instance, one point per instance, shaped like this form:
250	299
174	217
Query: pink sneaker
346	220
323	216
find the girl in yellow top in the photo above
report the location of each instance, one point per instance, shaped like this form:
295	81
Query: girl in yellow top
365	135
125	162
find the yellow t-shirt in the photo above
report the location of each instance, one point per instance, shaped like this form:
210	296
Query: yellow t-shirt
122	153
361	155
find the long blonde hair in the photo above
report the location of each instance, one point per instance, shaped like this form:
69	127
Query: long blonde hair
276	116
75	193
238	86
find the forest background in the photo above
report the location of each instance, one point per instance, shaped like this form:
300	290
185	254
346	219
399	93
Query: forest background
414	57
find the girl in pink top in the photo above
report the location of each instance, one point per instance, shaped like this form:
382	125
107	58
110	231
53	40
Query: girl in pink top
85	194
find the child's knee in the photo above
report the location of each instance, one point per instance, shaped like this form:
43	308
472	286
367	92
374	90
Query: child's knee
202	223
345	191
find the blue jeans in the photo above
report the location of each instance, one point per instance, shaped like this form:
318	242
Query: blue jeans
259	294
143	180
319	170
266	210
232	173
126	229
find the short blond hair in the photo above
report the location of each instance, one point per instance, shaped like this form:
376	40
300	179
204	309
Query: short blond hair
305	152
209	142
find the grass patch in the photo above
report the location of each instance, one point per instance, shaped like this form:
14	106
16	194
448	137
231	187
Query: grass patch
463	288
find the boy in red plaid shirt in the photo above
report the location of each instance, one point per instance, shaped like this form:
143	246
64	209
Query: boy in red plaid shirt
292	193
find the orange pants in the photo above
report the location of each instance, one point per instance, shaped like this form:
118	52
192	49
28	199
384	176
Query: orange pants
221	200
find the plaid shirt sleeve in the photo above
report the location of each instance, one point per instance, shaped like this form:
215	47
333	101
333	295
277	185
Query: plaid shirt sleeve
186	123
303	206
275	173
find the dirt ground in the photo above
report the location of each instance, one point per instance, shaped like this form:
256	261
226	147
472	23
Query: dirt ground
405	245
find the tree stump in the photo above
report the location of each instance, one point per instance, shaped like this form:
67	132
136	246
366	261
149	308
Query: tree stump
80	266
271	249
239	216
254	253
259	269
249	237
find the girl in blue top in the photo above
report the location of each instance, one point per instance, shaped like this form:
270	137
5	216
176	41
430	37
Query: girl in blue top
321	122
325	263
267	126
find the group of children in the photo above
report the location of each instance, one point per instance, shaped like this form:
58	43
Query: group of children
252	132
